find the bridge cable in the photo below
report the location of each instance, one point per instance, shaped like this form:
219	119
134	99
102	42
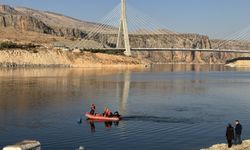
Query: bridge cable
102	26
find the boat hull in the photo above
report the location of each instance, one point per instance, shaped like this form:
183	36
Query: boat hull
101	118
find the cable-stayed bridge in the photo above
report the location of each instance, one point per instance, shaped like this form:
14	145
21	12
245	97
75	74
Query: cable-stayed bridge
124	24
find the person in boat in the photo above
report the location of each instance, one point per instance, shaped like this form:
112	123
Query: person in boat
116	114
92	109
107	113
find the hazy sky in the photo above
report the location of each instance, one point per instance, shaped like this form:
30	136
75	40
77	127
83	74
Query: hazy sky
215	18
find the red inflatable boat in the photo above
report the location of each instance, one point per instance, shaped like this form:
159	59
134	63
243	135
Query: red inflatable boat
101	118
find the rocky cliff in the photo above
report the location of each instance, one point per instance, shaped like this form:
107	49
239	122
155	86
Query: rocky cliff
44	22
9	17
172	41
26	23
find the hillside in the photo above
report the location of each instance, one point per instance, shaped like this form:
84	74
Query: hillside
26	25
27	19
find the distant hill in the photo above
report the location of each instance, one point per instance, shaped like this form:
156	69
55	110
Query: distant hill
57	20
27	19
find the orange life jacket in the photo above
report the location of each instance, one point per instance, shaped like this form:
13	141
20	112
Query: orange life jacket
107	112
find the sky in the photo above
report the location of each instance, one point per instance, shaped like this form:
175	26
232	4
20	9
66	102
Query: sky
215	18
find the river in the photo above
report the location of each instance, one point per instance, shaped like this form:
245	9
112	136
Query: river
164	106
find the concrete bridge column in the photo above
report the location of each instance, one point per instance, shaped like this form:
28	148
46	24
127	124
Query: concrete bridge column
172	56
123	30
192	56
197	56
211	58
221	55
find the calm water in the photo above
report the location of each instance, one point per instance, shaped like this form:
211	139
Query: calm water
164	107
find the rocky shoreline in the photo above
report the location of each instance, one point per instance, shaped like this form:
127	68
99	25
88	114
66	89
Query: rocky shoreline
244	146
49	58
12	58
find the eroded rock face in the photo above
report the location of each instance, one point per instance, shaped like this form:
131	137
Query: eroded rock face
70	32
173	41
5	9
9	17
26	23
30	21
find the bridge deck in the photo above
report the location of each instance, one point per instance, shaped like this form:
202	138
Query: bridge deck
171	49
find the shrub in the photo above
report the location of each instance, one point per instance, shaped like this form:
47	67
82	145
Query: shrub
9	45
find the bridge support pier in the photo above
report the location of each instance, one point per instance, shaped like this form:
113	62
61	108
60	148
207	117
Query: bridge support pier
123	31
172	56
211	58
193	56
221	55
125	92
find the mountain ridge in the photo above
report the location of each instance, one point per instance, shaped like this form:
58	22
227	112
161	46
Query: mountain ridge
59	24
29	19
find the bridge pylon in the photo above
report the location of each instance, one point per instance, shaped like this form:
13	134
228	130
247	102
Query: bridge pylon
123	31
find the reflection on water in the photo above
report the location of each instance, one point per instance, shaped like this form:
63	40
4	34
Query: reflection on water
125	92
193	67
51	83
163	106
107	124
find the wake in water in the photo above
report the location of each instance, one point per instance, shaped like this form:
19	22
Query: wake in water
159	119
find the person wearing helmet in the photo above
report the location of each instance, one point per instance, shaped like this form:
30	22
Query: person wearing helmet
107	112
92	109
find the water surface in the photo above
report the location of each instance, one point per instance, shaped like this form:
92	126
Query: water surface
164	107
